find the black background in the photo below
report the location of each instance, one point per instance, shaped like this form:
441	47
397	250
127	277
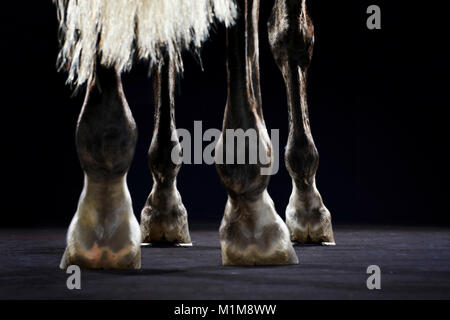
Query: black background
377	99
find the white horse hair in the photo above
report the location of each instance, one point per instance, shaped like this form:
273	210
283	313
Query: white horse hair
113	30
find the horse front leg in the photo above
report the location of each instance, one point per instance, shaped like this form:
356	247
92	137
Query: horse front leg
164	217
104	232
251	232
291	37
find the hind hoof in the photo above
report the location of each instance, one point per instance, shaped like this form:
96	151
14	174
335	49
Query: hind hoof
88	249
252	233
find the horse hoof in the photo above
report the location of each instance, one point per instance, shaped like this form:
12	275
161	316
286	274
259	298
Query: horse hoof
166	225
310	226
252	233
97	246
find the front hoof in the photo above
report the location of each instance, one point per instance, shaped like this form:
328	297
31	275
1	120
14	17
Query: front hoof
312	227
165	227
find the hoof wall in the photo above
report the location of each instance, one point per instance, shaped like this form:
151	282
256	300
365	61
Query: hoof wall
166	245
318	244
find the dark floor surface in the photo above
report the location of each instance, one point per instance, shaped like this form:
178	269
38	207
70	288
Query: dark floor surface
414	262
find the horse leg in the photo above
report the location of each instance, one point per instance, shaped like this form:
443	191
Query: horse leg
164	217
104	232
251	232
291	37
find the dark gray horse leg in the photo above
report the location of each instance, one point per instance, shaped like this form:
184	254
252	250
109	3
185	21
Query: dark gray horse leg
291	36
164	217
251	233
104	232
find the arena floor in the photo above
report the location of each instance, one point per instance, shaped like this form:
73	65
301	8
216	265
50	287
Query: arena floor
414	262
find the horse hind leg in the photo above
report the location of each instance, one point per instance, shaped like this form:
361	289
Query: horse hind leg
104	232
251	232
291	37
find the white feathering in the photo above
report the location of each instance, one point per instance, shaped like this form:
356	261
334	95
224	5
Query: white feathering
113	30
